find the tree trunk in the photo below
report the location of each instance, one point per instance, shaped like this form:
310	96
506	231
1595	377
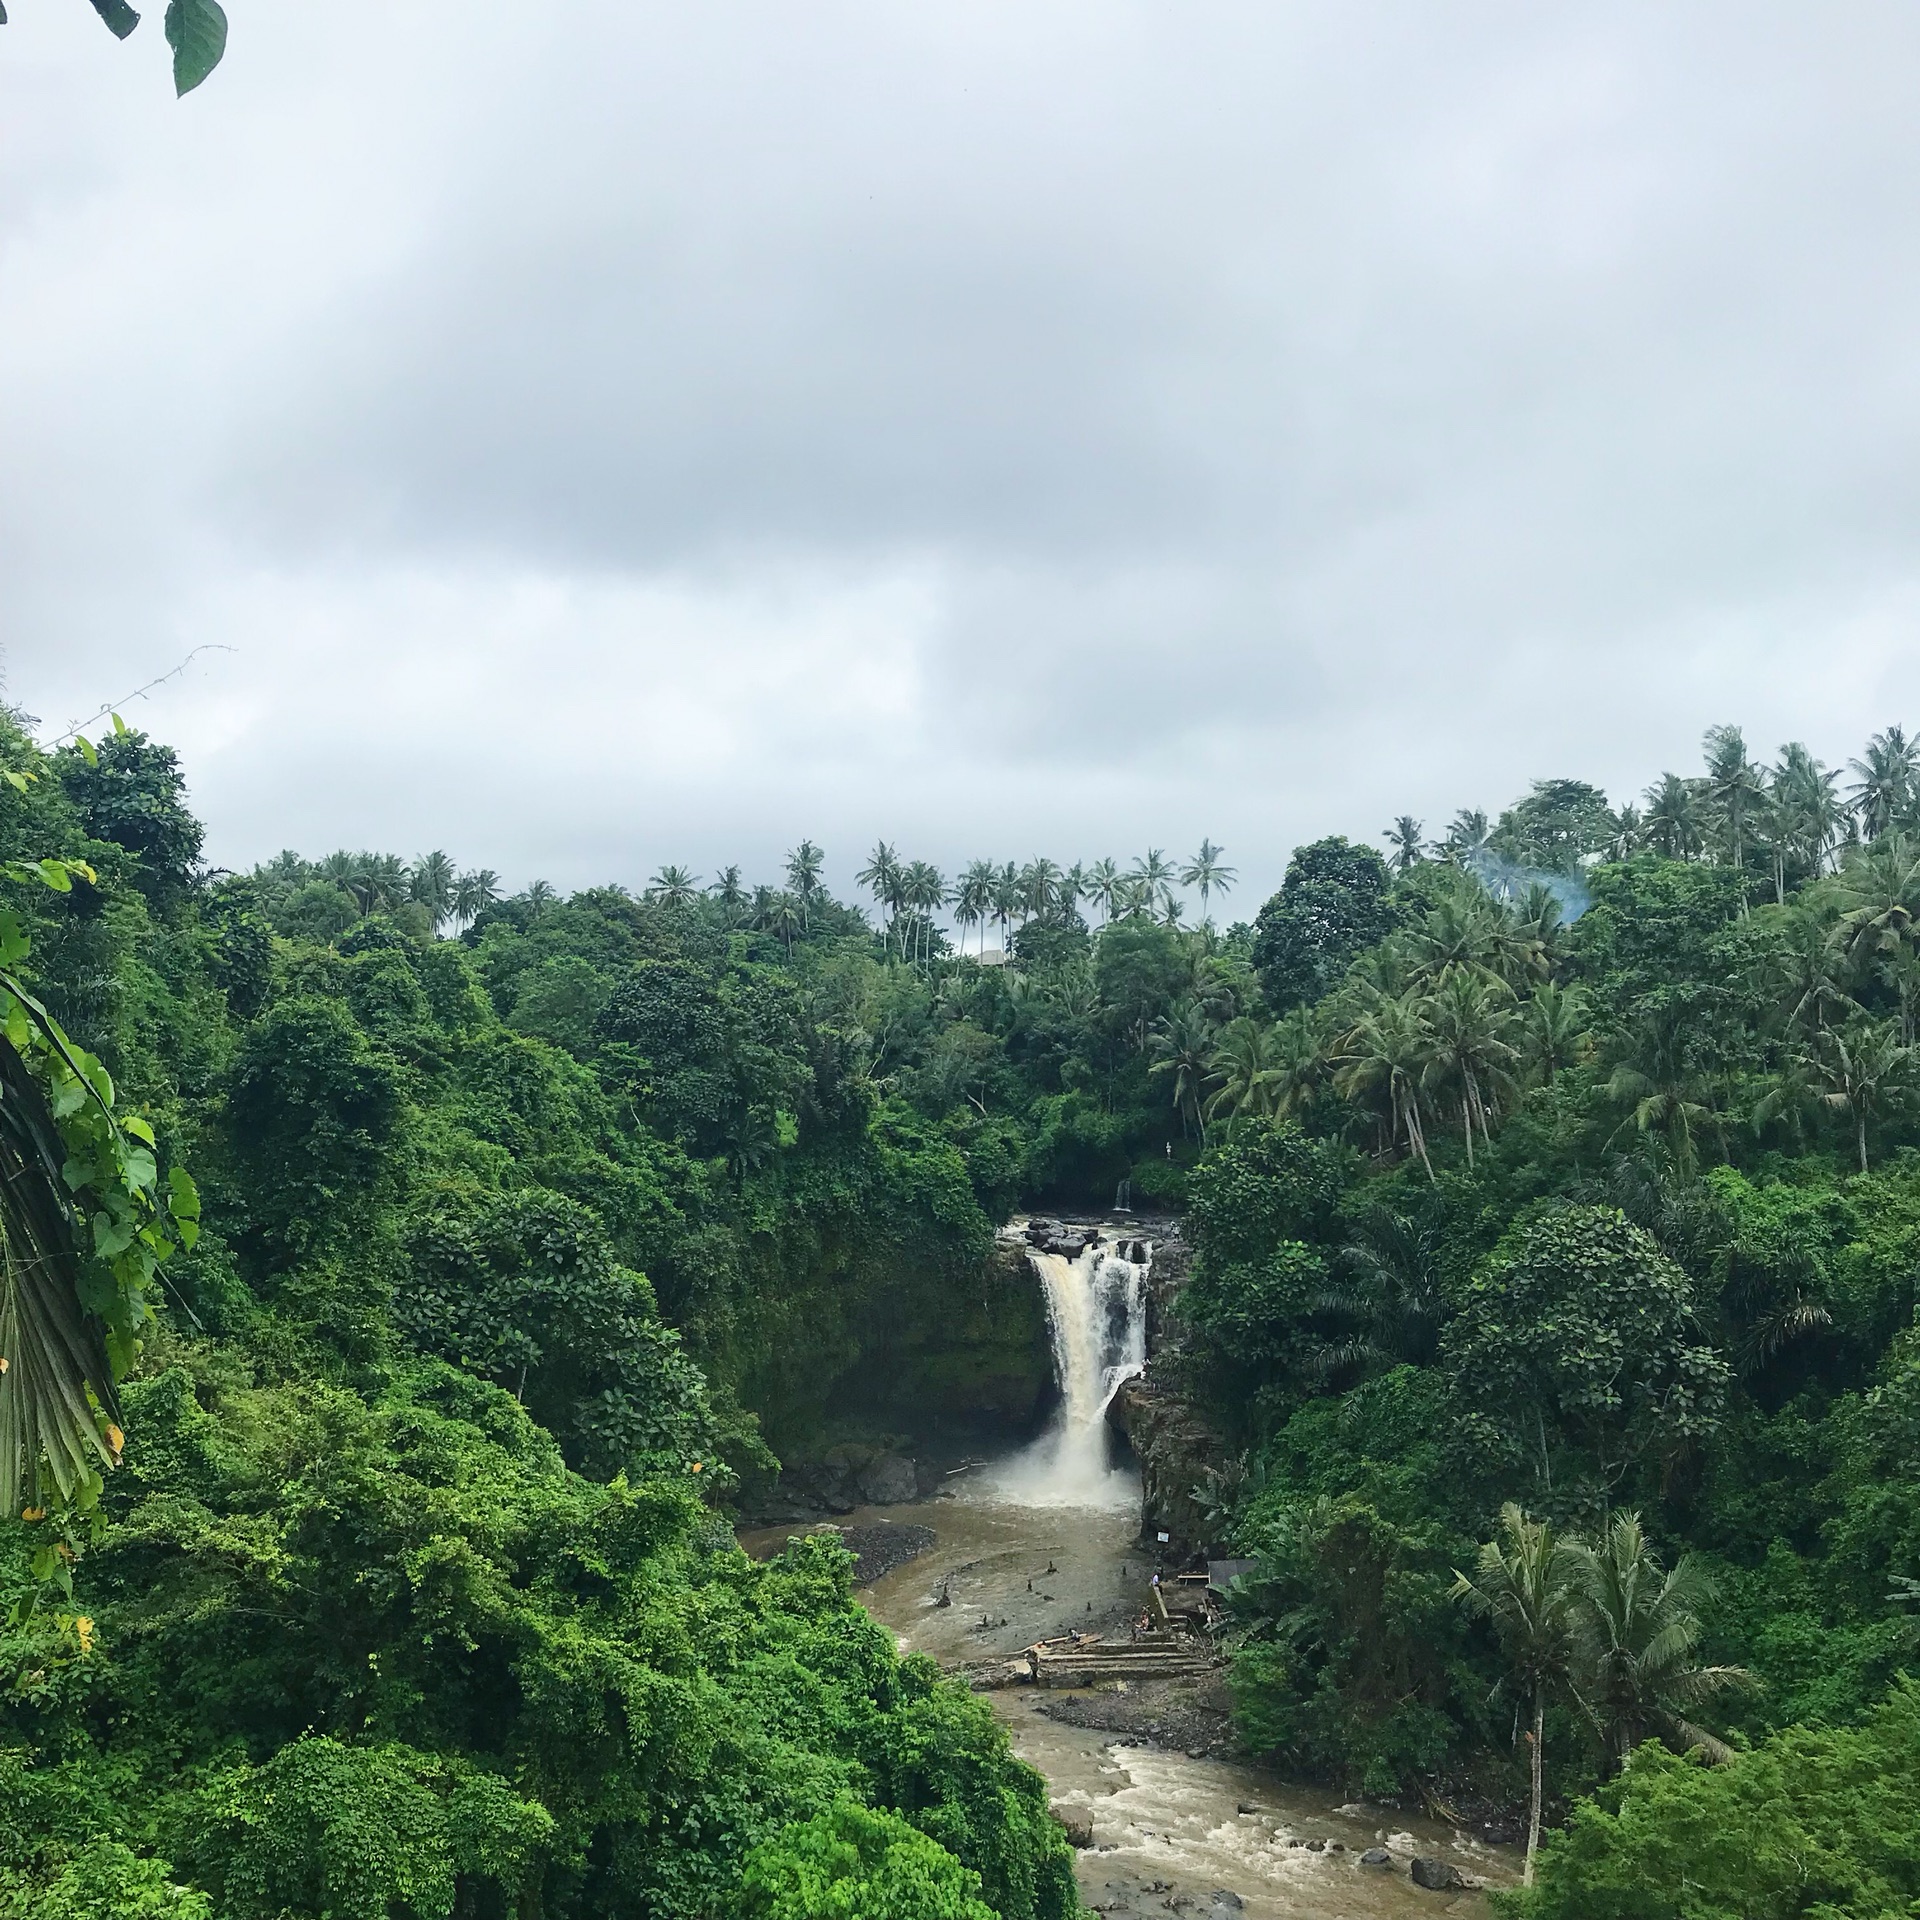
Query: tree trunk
1538	1770
1417	1134
1863	1143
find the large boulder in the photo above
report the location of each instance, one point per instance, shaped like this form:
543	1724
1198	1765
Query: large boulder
1079	1826
888	1480
1437	1876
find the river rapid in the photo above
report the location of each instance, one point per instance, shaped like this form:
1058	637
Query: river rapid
1172	1829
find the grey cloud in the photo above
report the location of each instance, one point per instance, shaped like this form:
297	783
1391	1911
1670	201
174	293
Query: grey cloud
1006	426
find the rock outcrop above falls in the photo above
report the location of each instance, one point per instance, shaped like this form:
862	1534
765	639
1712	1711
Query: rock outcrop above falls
1070	1241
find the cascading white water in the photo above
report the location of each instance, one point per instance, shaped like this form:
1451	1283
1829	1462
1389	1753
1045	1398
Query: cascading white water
1097	1320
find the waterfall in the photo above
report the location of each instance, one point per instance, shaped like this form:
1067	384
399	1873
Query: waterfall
1097	1321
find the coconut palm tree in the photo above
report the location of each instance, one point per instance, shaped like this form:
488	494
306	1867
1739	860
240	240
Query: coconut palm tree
1527	1582
881	875
1530	941
1466	834
1181	1043
967	912
1656	1081
1103	886
1635	1630
1889	777
1154	872
1390	1293
1007	897
1556	1029
1381	1060
480	888
1404	838
1215	982
803	875
923	891
1040	889
1071	890
729	895
1804	816
1243	1066
1626	833
1299	1063
1878	893
1671	826
432	883
1470	1043
539	896
782	916
1463	929
974	897
1809	974
1206	872
1858	1070
674	887
378	882
1735	788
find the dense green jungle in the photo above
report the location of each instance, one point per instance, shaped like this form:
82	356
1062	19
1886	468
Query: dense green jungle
407	1283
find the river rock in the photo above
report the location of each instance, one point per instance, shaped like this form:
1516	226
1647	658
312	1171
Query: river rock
1437	1876
1079	1826
888	1480
1376	1857
1226	1901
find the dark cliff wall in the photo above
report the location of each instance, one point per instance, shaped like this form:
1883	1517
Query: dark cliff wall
955	1359
1174	1445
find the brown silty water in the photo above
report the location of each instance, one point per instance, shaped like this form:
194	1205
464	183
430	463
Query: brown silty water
1168	1827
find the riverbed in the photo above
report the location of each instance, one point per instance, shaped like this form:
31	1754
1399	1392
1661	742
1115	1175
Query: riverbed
1173	1824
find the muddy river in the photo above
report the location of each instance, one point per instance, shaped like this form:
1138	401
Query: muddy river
1174	1830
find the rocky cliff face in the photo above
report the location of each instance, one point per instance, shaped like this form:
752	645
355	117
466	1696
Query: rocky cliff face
946	1367
1174	1446
971	1366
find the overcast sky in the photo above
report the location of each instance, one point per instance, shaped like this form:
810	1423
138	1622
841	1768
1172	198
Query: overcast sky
611	433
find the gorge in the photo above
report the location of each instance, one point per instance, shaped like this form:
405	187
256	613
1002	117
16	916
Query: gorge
1047	1540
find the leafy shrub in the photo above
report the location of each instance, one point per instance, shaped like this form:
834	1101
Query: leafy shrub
851	1863
1814	1822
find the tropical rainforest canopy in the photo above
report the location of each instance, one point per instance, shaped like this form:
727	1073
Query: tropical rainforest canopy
1556	1194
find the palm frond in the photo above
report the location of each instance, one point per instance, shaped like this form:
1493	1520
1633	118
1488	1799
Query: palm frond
58	1382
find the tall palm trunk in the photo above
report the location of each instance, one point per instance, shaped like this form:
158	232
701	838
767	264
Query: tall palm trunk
1538	1769
1416	1134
